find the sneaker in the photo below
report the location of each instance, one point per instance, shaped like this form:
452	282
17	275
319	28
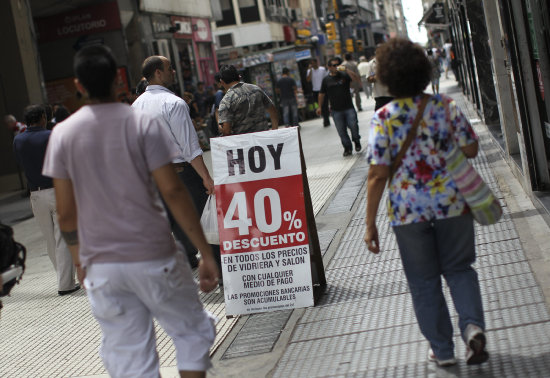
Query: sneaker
442	363
347	153
475	345
357	146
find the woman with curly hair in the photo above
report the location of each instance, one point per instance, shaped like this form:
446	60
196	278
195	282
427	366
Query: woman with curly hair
432	223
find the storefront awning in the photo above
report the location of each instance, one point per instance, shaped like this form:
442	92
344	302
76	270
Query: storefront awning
435	16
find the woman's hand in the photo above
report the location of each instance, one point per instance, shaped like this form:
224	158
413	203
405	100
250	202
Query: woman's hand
371	238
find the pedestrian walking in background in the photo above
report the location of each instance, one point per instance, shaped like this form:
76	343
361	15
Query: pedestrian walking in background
109	163
432	223
242	109
13	125
287	89
435	63
380	91
336	89
447	48
30	150
315	75
364	71
174	114
351	66
61	113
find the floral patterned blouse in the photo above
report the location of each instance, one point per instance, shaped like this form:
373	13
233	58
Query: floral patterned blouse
421	189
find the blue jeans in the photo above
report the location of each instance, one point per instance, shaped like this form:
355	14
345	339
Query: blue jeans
290	108
431	249
344	119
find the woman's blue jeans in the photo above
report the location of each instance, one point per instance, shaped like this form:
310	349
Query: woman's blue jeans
428	251
344	119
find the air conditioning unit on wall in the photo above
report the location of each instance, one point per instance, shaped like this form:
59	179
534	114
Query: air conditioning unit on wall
225	40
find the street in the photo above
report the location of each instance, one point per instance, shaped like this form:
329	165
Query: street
364	324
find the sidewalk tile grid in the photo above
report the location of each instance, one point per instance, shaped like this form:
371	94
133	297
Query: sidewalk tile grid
365	325
30	337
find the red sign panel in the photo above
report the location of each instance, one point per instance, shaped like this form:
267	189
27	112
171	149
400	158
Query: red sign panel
90	20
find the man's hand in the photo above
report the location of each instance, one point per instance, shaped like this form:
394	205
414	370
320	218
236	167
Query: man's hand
371	78
209	185
371	238
81	275
318	111
208	274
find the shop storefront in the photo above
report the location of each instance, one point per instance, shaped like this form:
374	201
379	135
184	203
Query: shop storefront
266	68
61	35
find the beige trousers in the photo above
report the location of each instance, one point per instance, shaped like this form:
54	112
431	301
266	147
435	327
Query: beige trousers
43	208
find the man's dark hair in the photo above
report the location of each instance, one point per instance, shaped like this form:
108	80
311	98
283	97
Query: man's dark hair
150	65
403	80
49	112
95	68
337	61
61	114
348	56
141	86
229	74
33	114
285	71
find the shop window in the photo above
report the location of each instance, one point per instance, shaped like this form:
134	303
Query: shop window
228	13
249	11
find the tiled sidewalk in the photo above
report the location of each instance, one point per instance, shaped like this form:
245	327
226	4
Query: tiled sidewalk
44	335
365	325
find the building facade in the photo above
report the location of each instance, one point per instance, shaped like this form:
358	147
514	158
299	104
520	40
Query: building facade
502	51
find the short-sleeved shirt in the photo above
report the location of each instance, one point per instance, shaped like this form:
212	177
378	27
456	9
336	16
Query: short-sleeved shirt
286	87
108	151
337	89
317	76
174	114
421	189
244	106
30	149
352	66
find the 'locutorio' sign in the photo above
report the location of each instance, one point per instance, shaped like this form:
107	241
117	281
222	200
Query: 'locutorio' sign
89	20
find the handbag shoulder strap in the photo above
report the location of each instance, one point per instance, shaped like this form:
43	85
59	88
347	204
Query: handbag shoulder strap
410	136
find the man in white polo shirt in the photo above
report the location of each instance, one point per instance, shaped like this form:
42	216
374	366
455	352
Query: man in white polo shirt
172	110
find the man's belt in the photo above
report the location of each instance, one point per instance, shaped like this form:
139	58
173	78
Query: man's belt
181	166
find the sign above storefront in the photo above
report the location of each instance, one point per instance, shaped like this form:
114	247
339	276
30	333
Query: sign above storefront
183	26
90	20
201	30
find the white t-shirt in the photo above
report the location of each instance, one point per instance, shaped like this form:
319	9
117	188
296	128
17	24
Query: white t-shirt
363	68
317	76
379	89
108	151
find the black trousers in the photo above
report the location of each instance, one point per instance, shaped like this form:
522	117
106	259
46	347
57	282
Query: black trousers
193	183
324	109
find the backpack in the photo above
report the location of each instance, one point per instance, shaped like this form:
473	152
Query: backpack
12	259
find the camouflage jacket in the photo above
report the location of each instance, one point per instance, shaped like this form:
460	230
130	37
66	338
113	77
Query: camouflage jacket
244	106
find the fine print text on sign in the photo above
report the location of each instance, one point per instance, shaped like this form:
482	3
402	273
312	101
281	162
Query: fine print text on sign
262	221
